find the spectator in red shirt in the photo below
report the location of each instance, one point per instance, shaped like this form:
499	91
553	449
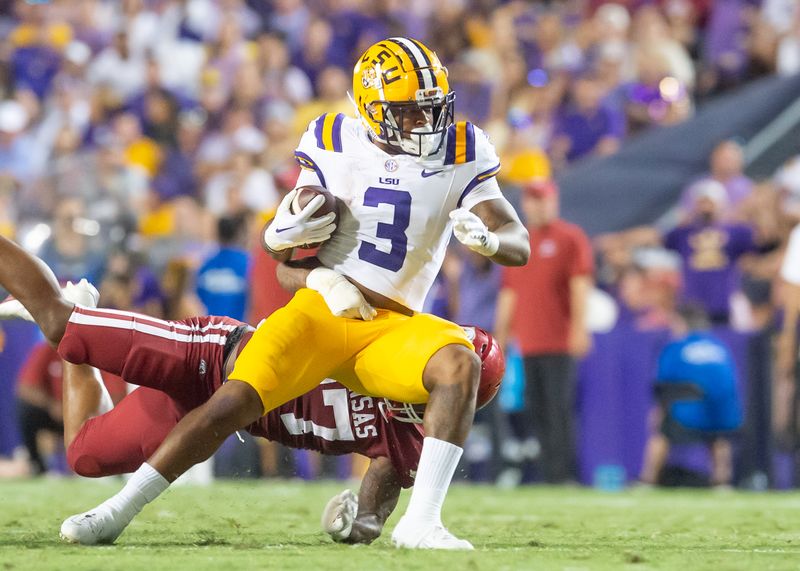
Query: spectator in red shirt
39	397
542	306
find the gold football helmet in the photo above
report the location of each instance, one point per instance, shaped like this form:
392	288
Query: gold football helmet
397	75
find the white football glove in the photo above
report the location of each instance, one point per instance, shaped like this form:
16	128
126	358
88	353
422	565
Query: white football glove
339	514
289	230
343	298
473	233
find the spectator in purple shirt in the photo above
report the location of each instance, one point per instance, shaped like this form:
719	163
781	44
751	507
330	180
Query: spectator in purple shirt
34	67
477	282
725	44
176	175
586	125
291	18
726	167
710	250
148	105
312	57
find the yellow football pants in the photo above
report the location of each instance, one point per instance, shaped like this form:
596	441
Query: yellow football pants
303	343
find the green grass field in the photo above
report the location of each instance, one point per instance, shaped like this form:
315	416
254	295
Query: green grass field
270	525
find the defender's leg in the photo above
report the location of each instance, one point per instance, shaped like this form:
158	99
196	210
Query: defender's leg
34	285
273	368
84	397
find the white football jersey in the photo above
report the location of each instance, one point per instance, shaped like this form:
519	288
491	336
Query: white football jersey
394	223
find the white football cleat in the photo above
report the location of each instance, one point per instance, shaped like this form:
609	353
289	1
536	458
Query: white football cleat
411	535
94	527
82	293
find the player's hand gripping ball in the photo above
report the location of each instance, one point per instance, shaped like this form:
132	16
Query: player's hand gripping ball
304	196
305	218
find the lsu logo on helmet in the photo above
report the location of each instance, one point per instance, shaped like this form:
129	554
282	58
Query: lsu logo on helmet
369	78
395	77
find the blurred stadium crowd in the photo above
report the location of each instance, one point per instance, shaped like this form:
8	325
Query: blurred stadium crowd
143	143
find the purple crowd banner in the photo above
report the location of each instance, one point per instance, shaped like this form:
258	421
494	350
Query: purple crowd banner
17	339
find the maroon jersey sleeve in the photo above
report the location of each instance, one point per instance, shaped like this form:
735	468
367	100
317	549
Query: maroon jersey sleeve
334	420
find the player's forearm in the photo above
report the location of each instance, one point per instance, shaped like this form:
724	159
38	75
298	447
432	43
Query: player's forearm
292	274
514	247
510	235
380	490
377	499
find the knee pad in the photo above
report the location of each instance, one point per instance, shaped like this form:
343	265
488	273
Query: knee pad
73	349
83	463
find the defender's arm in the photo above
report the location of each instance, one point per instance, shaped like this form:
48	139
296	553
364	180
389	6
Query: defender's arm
377	498
342	297
292	274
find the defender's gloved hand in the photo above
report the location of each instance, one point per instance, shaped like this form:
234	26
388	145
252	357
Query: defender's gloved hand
339	515
343	298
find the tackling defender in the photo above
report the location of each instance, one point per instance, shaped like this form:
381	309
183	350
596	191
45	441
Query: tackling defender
407	176
179	365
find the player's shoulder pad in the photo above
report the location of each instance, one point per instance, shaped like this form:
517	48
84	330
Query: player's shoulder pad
467	143
327	131
324	134
484	163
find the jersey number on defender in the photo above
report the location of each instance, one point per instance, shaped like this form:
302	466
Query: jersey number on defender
334	398
395	231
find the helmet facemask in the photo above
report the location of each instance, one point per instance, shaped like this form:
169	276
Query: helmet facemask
421	141
401	411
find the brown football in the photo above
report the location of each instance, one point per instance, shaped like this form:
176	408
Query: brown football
304	195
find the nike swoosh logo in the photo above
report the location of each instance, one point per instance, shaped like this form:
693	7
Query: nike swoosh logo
279	230
426	174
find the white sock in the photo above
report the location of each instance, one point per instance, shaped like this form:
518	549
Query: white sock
145	485
437	464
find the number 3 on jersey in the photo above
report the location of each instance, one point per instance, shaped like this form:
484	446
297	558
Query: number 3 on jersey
395	231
